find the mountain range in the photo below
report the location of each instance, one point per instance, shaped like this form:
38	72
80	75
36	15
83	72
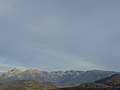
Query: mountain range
109	83
58	78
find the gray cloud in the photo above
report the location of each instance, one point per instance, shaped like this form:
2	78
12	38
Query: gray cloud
53	35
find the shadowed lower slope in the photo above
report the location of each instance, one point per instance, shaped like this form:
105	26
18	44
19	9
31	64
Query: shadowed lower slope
114	80
24	85
88	86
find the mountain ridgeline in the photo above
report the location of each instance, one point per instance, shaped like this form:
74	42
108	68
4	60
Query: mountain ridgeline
58	78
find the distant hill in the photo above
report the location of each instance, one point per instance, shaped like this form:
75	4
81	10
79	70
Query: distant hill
93	85
113	80
88	86
60	78
24	85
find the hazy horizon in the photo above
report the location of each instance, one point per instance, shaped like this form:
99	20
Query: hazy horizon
34	69
54	35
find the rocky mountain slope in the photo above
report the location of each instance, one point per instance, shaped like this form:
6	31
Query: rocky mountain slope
11	73
1	73
60	78
109	83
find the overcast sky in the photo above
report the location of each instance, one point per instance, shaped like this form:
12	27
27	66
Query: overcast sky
60	34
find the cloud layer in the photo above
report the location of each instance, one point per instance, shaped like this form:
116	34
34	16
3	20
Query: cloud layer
59	35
